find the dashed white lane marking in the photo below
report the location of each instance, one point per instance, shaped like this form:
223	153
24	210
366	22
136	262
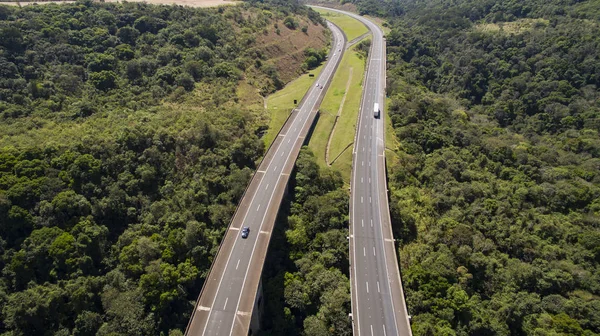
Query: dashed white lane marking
370	200
364	251
234	228
378	291
238	264
361	199
262	171
275	168
371	330
258	207
203	308
369	163
363	163
367	287
295	129
267	187
289	140
371	223
384	333
282	153
369	180
362	222
263	232
361	180
225	305
374	251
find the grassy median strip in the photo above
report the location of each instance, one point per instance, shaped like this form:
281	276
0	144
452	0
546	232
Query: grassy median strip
281	103
349	76
351	27
343	135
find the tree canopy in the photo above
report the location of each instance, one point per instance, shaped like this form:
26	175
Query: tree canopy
125	145
496	182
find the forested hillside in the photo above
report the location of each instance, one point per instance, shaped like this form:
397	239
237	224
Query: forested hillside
496	192
125	144
306	277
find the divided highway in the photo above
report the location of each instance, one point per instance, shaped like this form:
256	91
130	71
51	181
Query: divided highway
378	305
226	301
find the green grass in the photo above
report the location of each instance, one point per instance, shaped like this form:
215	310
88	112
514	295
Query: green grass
352	27
380	22
391	141
281	103
345	129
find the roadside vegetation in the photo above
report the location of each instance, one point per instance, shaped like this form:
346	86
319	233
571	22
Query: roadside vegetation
306	281
495	192
125	145
281	103
346	88
306	277
351	27
495	196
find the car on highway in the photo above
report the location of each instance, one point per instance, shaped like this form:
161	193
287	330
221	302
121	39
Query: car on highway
245	232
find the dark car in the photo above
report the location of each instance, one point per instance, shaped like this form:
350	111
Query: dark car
245	232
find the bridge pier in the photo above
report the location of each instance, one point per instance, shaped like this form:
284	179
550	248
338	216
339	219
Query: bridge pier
257	310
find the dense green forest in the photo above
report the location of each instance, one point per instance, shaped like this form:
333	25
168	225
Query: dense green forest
124	148
306	279
496	190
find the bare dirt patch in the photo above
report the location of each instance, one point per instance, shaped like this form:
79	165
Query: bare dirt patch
191	3
286	49
515	27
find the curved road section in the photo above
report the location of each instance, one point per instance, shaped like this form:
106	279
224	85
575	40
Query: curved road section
229	292
378	306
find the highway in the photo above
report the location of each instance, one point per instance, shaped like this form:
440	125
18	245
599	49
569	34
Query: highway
378	306
227	297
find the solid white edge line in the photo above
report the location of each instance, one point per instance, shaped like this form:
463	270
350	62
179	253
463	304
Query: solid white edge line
244	219
270	199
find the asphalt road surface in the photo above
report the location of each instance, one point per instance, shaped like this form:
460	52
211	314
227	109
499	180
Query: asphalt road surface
378	305
227	297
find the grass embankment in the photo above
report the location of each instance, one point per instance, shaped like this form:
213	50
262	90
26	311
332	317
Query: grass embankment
281	103
391	141
346	125
351	27
347	81
349	75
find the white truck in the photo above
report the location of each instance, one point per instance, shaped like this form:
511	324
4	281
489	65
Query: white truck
376	110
